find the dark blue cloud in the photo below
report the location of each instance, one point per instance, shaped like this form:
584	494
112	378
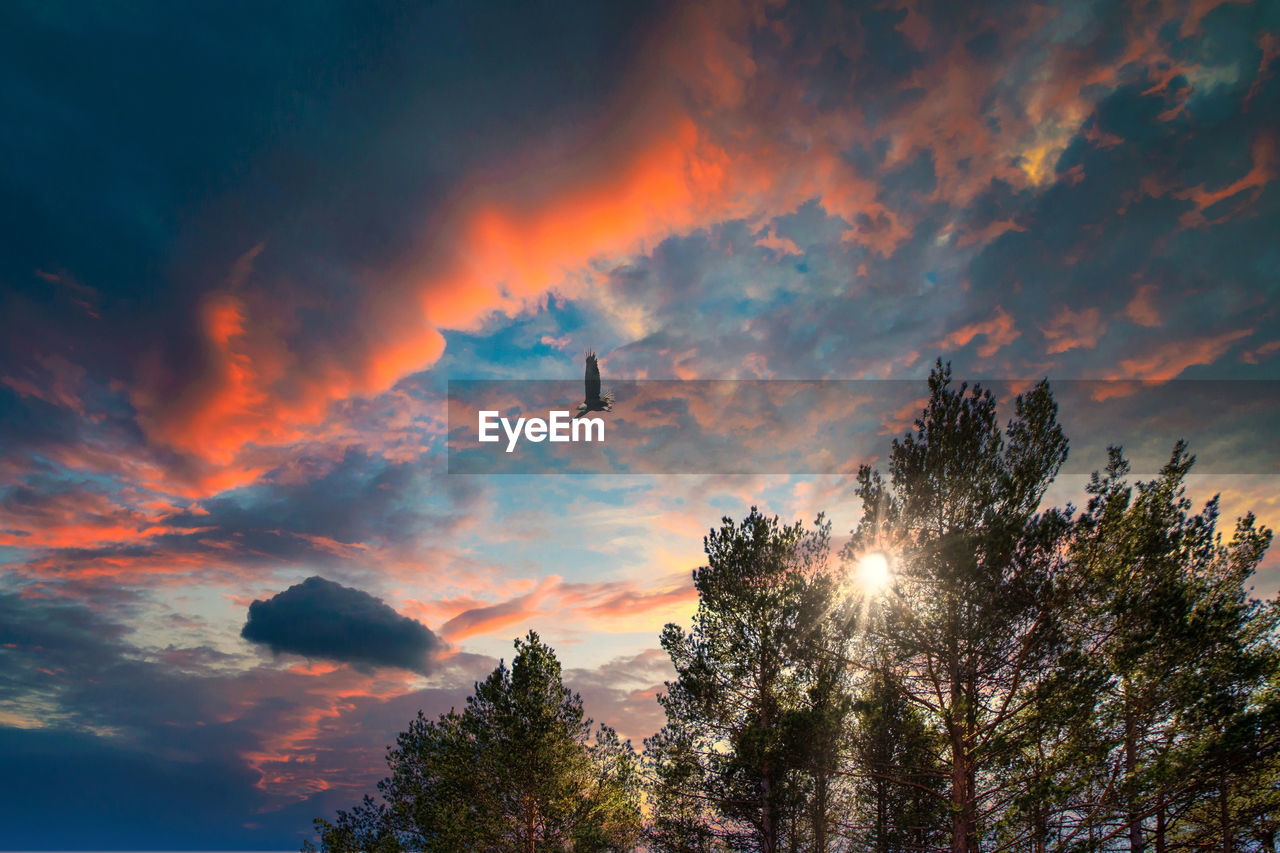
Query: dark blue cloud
321	619
125	799
144	749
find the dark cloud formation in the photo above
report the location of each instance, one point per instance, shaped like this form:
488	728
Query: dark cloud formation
172	748
125	798
130	748
322	619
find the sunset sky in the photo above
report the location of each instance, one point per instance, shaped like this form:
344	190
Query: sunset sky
246	249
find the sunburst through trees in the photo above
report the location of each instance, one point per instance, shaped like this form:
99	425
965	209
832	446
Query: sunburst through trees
994	674
977	671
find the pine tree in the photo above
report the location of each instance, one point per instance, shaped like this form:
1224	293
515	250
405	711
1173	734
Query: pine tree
516	770
742	762
1229	722
973	624
901	793
1181	713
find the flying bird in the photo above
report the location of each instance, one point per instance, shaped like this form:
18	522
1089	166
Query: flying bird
595	401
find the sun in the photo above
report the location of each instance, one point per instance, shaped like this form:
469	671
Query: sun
873	572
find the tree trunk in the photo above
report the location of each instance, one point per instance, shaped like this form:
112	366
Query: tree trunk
960	792
1039	811
1224	817
768	824
971	810
1137	843
882	816
1039	828
820	813
964	828
1160	823
768	832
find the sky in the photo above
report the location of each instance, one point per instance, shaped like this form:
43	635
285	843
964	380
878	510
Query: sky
247	249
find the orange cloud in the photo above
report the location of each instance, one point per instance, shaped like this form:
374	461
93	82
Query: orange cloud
506	245
1070	329
607	601
1259	175
668	159
487	619
619	598
998	332
697	137
1255	356
77	519
324	700
903	418
1142	309
253	390
1167	361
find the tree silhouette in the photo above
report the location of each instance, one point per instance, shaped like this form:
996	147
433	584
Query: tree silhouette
973	624
740	761
516	770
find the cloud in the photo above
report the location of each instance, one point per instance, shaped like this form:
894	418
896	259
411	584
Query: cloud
998	331
620	605
1071	329
1168	360
197	743
624	692
775	242
321	619
670	158
149	802
559	343
489	618
1261	172
1255	356
55	515
1142	308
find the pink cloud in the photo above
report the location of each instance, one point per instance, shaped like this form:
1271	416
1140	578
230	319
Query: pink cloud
1142	308
1256	355
560	343
1167	361
998	332
1261	172
1070	329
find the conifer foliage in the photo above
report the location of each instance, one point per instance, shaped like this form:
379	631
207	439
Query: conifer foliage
518	769
1027	677
972	671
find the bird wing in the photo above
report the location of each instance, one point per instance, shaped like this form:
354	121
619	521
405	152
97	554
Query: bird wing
593	377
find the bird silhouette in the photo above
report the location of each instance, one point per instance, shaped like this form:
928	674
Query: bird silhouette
596	401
